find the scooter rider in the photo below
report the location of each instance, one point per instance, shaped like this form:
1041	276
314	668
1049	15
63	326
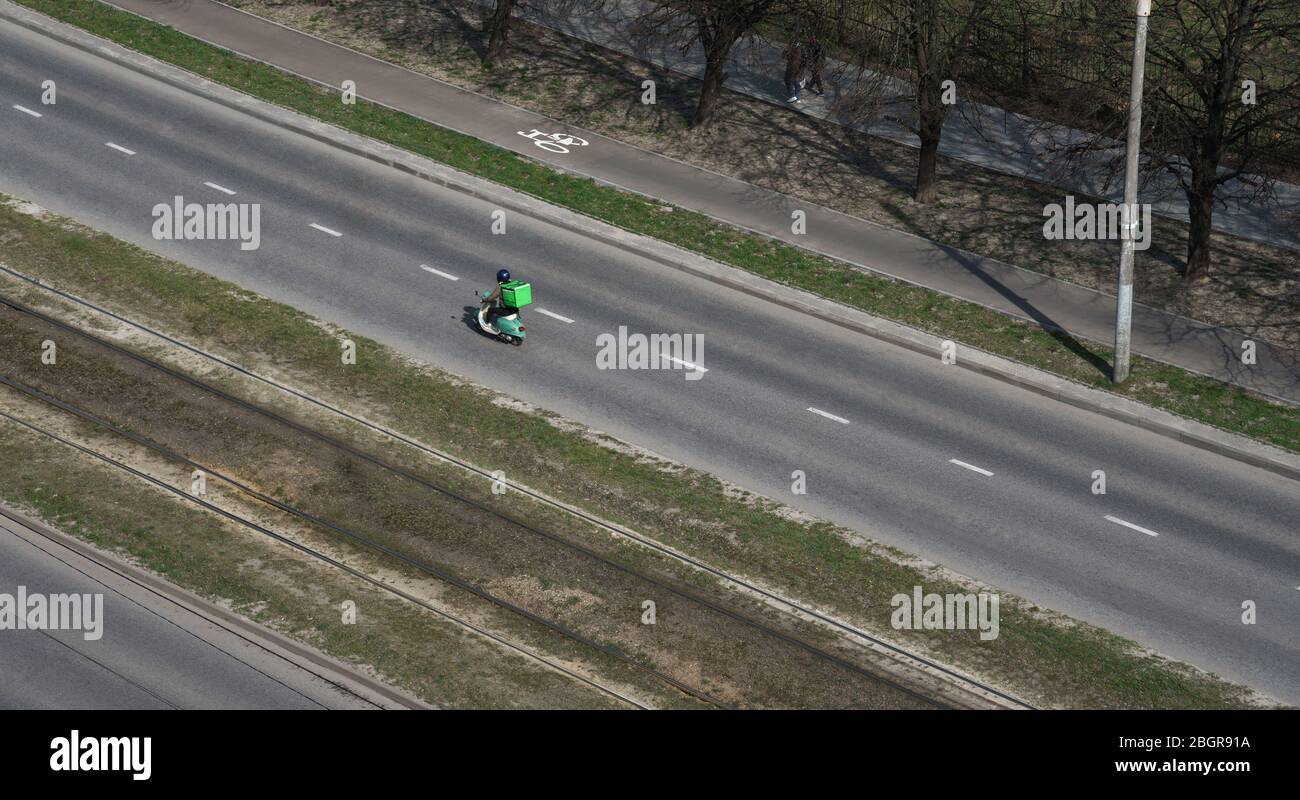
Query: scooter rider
494	297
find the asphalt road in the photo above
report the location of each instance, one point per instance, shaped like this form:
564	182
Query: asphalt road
150	653
1227	533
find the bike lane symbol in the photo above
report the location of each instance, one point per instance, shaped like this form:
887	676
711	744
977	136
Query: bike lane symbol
554	142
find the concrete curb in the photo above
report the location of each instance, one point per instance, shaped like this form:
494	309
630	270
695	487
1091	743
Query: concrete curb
1205	437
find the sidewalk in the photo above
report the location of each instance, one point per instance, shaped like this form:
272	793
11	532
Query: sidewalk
1082	312
1010	143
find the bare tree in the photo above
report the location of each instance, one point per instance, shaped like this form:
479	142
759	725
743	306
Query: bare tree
499	24
907	50
716	25
1223	101
497	30
1221	104
939	31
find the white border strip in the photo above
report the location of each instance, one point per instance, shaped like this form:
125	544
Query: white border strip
439	272
828	415
971	467
1137	528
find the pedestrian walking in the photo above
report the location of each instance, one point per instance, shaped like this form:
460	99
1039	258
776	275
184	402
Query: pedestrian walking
815	58
794	68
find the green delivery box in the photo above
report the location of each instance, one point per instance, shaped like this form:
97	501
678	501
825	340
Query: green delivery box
516	294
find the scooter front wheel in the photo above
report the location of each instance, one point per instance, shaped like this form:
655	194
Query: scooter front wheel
516	340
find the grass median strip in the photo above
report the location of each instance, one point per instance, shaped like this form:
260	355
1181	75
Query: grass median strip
1159	385
1039	655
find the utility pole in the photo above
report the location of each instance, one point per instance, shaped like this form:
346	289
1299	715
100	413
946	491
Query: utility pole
1124	296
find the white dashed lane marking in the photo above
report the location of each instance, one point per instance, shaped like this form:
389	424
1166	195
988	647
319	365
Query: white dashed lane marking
324	229
29	112
211	185
1137	528
827	415
686	364
439	272
971	467
119	148
553	315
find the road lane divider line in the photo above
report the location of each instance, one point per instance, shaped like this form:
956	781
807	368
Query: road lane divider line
211	185
553	315
119	148
1137	528
686	364
971	467
28	111
828	415
324	229
439	272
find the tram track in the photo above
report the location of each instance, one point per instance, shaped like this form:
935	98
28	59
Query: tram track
782	637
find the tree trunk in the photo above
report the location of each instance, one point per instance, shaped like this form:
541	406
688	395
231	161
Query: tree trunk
1200	212
927	188
930	114
498	29
928	50
715	74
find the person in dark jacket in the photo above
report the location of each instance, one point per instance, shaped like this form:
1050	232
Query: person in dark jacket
794	68
816	59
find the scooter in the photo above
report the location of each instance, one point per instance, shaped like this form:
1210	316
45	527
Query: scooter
506	327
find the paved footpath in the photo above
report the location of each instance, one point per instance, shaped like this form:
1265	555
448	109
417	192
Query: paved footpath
1083	313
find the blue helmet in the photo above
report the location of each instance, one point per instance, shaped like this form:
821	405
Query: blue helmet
503	275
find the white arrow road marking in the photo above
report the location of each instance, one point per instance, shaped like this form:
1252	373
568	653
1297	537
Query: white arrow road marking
1137	528
119	148
553	315
324	229
218	188
819	412
36	114
439	272
971	467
